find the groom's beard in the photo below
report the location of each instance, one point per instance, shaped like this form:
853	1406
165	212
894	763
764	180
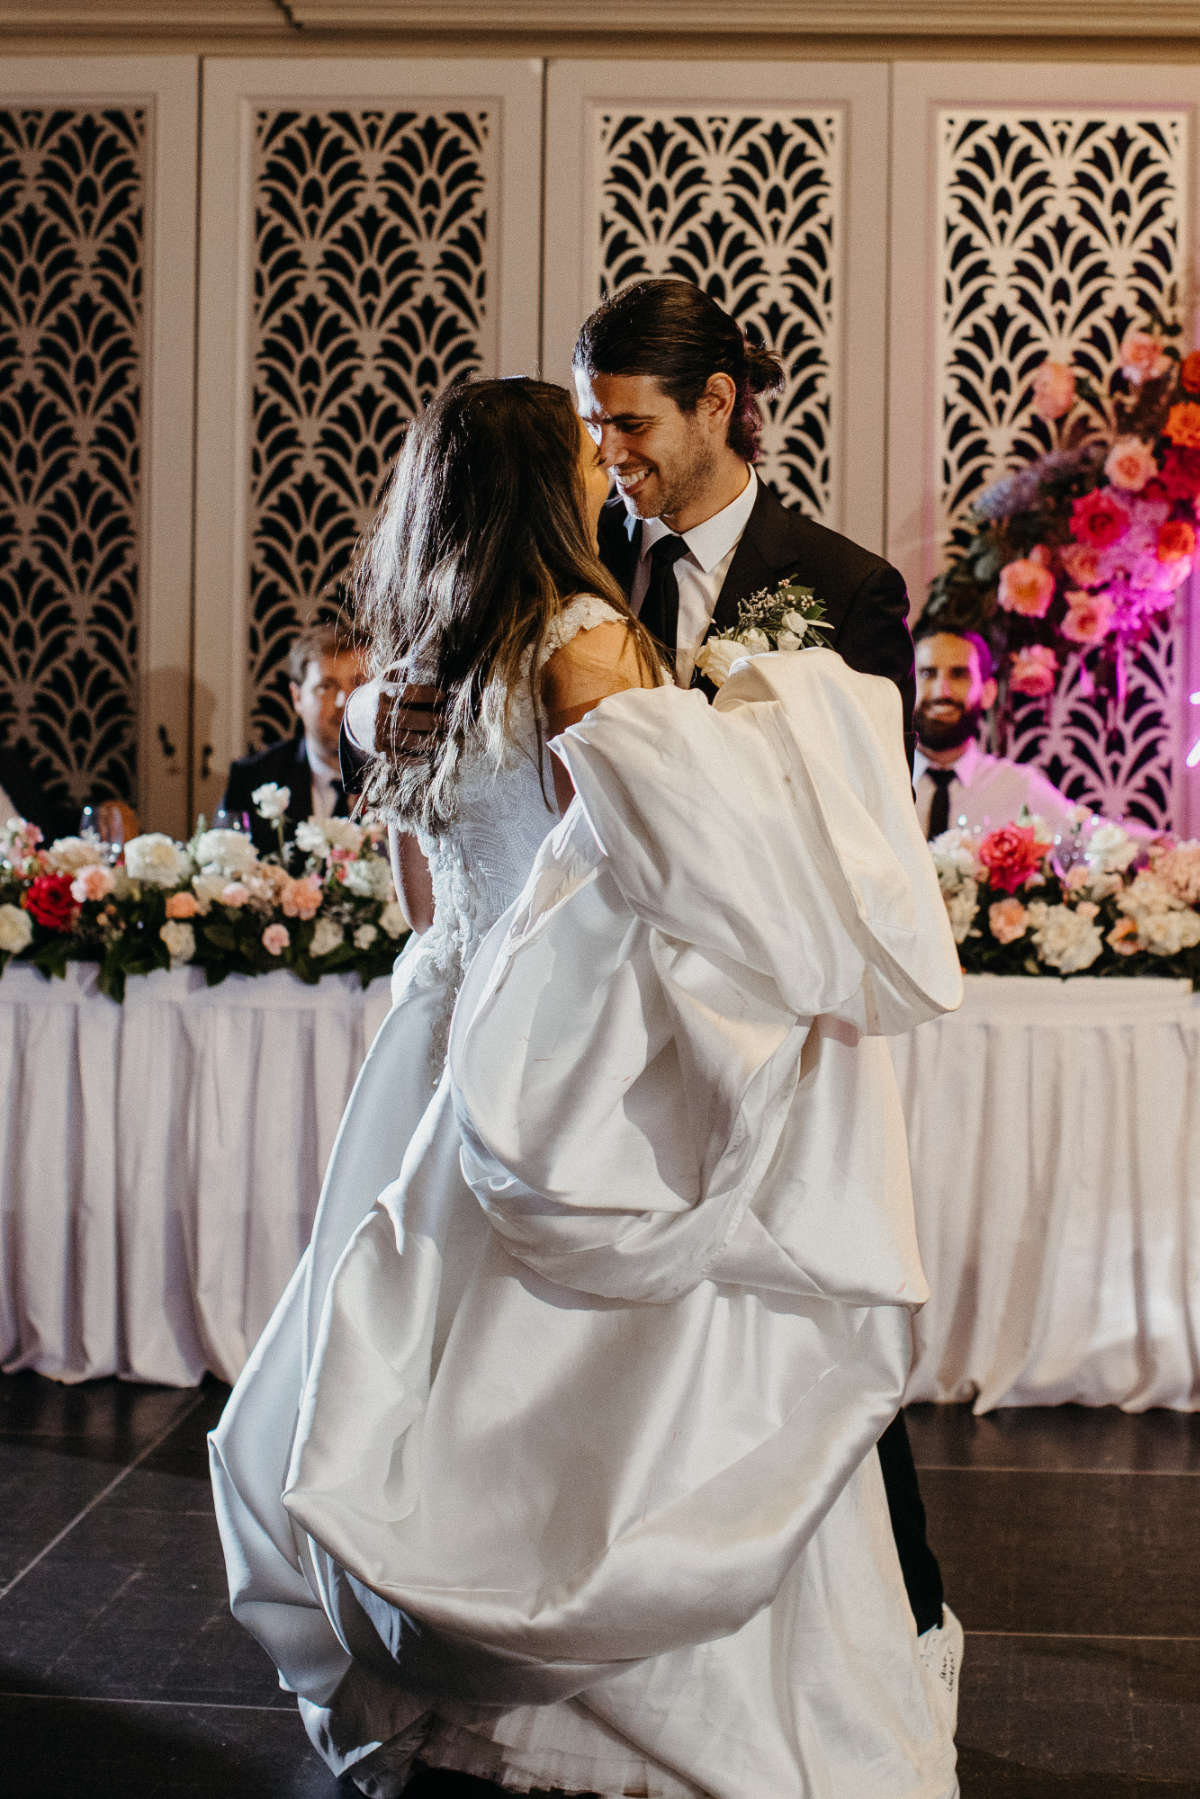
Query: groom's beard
949	726
670	488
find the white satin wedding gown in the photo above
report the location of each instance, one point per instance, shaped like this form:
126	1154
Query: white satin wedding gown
565	1477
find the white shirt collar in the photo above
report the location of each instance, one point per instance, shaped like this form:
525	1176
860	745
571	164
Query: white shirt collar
964	770
713	538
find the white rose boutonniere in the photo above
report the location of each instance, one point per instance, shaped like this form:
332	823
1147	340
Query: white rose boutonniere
784	618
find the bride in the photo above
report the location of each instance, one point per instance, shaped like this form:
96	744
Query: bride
553	1465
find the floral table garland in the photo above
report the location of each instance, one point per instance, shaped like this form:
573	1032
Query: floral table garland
214	903
1099	901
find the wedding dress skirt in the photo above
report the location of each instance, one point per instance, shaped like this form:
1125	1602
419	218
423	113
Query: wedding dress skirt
565	1476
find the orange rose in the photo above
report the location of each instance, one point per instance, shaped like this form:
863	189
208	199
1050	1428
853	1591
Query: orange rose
1183	424
1142	357
1176	540
1053	390
1124	938
1189	373
1026	586
182	905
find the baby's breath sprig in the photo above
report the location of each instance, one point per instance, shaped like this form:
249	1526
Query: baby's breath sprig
786	617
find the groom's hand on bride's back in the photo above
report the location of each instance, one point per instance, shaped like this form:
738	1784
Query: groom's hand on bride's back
391	718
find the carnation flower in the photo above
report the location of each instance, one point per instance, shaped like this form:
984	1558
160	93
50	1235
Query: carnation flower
271	801
182	905
1026	586
365	936
393	921
69	854
1053	390
92	883
1099	519
326	937
157	860
1033	671
16	931
302	898
1130	464
954	857
1183	424
179	938
1179	870
1142	357
1007	920
1010	855
228	853
1089	618
275	939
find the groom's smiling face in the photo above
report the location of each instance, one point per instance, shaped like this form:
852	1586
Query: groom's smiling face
663	460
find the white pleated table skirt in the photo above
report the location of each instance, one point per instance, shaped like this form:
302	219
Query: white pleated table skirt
160	1164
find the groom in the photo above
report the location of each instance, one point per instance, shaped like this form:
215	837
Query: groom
667	387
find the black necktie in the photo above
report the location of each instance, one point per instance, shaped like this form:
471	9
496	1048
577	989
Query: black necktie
939	810
660	607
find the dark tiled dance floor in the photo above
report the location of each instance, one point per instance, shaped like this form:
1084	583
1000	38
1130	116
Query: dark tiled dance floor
1070	1540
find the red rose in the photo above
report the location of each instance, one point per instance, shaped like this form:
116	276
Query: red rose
1181	474
1189	373
48	900
1010	855
1099	518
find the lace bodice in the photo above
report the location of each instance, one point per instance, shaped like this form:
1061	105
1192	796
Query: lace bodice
480	864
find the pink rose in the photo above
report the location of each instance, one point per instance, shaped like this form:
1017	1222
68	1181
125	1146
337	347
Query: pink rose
1034	671
1027	587
92	883
1098	519
235	894
302	898
1053	390
1089	618
1142	357
275	939
1130	464
1083	564
182	905
1010	855
1007	920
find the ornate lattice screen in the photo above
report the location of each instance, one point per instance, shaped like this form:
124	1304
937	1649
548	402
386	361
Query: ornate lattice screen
1058	229
747	203
370	292
71	369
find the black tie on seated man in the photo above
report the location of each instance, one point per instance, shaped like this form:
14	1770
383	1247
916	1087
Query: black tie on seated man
667	384
325	665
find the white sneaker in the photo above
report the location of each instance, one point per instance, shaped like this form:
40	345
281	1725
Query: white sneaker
941	1652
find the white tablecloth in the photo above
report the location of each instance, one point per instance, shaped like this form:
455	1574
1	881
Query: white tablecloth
160	1162
1054	1135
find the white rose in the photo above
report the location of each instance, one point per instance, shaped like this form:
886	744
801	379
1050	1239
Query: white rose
270	800
70	854
326	936
1109	849
1066	938
393	921
16	930
208	889
365	936
715	659
343	834
788	640
961	907
157	860
755	642
228	853
369	879
796	623
179	938
310	837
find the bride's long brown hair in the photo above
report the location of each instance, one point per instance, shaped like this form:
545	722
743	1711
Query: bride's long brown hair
482	536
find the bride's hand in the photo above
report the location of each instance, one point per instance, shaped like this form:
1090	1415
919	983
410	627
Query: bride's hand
393	718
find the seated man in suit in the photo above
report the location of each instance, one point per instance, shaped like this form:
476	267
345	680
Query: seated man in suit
666	384
667	387
325	665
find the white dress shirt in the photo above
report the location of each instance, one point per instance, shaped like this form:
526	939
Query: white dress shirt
326	779
700	574
990	790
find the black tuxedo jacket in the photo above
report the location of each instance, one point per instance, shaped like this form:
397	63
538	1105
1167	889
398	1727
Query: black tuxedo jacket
864	597
286	764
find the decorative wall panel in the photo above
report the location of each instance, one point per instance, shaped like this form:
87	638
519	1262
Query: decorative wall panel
1058	230
71	357
747	204
371	257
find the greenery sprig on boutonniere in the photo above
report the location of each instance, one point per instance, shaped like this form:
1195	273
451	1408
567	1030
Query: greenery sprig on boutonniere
785	617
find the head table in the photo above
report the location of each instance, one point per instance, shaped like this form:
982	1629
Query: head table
160	1163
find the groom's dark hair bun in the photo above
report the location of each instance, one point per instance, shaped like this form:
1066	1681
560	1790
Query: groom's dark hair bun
672	330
